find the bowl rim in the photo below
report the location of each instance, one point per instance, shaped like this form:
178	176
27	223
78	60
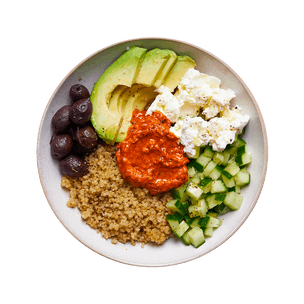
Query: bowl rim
263	127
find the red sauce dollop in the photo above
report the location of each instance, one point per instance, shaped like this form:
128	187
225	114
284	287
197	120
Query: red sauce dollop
150	156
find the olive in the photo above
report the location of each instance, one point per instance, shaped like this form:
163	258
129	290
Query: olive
73	166
61	119
87	137
81	111
78	91
61	146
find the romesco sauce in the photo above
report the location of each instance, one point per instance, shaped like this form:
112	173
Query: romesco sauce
150	156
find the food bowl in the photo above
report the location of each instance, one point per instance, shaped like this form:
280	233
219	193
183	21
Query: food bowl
172	251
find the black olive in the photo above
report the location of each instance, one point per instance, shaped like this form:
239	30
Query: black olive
61	146
87	137
73	166
81	111
78	91
61	119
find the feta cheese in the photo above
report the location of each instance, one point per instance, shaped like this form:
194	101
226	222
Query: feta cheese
192	132
166	103
220	132
200	93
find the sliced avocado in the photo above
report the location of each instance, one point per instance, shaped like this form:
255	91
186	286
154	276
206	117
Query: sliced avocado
125	95
123	71
181	66
159	81
154	62
138	100
113	103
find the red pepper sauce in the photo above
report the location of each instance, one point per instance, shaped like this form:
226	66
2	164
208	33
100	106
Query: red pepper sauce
150	156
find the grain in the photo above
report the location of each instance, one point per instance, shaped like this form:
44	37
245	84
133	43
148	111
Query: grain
115	208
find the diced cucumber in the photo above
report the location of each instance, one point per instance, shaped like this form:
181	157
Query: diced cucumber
191	162
216	173
205	181
218	158
242	178
215	199
241	150
244	159
197	237
239	142
181	229
195	222
233	200
229	183
173	222
176	206
232	169
194	191
218	187
222	208
198	210
201	163
208	232
186	238
210	221
197	153
226	155
203	204
211	165
180	193
208	152
191	172
213	214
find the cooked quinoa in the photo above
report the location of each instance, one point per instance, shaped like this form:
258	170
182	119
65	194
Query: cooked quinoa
115	208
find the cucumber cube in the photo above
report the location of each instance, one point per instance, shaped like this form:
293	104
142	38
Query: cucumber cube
197	237
198	210
232	168
226	155
186	238
194	191
181	229
216	173
208	152
195	222
233	200
201	163
218	187
241	150
177	206
229	183
218	158
211	165
242	178
208	232
244	159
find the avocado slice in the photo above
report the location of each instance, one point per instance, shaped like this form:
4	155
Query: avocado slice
113	103
138	100
154	62
123	71
166	69
182	64
124	97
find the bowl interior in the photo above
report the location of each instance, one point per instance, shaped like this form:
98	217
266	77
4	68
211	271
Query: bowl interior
172	251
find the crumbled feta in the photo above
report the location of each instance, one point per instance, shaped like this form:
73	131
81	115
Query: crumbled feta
192	133
200	93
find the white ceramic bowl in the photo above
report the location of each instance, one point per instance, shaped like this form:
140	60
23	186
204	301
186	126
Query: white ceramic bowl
172	251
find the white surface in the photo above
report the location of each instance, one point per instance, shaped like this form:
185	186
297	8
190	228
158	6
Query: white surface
89	71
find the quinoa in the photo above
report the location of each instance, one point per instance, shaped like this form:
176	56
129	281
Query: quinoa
114	207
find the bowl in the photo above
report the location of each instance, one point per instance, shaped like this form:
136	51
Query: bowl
172	251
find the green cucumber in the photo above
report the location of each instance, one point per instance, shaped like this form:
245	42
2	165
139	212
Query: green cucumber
196	236
233	200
